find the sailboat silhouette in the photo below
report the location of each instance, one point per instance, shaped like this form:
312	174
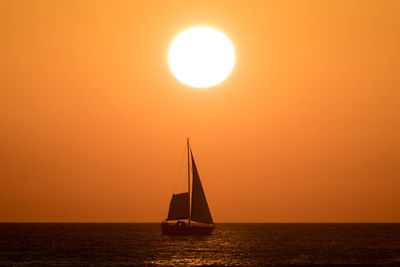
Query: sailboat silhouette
189	216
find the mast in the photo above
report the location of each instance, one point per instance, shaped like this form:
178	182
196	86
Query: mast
188	152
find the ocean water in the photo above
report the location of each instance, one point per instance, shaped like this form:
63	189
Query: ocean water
141	244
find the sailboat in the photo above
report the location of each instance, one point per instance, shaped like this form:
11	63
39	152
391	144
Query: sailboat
189	213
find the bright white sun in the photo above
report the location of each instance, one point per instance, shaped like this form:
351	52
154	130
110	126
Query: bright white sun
201	57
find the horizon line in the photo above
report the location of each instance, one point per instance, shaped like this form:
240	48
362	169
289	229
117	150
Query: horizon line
249	222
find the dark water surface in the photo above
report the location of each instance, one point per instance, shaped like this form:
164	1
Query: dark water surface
230	245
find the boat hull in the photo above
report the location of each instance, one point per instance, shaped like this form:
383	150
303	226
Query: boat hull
177	229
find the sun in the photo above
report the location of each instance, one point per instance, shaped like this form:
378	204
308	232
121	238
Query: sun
201	57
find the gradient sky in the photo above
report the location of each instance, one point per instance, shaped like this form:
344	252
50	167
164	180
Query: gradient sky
94	125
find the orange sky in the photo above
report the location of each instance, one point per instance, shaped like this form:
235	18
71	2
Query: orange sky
93	123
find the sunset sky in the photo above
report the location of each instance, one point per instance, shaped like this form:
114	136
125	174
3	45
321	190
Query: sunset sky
94	125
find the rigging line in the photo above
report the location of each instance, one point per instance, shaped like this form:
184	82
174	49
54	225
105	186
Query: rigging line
179	173
177	180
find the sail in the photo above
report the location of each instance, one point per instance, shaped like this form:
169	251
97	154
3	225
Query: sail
200	210
179	207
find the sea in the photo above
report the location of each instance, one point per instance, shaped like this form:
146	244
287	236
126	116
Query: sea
231	244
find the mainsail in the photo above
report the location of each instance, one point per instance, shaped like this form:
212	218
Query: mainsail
179	207
200	211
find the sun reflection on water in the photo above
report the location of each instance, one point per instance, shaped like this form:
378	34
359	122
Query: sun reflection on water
213	250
